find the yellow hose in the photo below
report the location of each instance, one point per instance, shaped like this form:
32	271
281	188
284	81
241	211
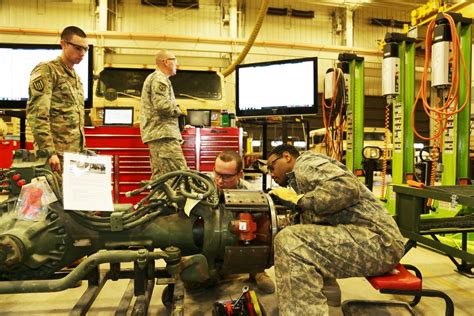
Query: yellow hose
261	15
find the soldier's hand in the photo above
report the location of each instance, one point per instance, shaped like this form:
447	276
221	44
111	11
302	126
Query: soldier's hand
286	197
55	163
184	110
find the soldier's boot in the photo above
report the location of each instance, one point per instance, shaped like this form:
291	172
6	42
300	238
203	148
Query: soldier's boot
332	291
264	282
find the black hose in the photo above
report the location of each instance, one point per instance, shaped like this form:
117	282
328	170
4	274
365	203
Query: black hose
203	185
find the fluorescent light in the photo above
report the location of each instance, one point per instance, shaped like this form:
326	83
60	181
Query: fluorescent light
256	143
300	143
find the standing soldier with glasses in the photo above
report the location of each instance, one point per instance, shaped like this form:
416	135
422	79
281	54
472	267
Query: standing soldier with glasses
159	115
55	109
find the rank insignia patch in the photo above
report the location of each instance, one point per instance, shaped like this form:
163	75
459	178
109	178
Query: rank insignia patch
38	85
162	87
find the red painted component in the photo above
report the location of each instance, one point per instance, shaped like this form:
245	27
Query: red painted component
228	308
7	147
245	227
403	280
16	177
21	182
248	301
6	152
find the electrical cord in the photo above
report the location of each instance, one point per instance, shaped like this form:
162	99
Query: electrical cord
334	116
441	114
444	108
191	185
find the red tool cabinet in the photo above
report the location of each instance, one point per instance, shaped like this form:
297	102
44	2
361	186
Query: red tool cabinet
130	157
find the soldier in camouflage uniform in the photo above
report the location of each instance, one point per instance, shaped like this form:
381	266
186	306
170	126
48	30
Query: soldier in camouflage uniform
228	171
343	232
55	109
159	115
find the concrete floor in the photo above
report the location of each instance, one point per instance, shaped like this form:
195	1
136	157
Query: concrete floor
438	273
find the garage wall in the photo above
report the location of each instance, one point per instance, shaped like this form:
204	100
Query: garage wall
202	37
47	14
130	16
203	22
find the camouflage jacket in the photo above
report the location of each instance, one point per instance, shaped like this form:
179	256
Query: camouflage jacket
158	112
55	109
333	196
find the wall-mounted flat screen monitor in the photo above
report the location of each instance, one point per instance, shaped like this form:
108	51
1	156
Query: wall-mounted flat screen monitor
199	118
118	116
284	87
18	60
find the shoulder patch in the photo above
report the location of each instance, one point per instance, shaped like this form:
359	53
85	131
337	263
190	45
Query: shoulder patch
35	75
162	87
38	84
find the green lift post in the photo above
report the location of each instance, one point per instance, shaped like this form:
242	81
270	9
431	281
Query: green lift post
450	221
455	153
455	144
403	47
355	113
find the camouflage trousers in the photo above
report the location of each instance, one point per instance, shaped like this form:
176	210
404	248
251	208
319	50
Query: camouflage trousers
305	254
166	155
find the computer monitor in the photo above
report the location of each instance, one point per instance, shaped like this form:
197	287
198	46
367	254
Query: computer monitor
17	62
199	118
118	116
283	87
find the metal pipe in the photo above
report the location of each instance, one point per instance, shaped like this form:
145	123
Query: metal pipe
80	272
261	16
231	42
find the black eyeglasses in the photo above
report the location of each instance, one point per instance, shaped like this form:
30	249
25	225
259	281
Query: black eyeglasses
79	48
224	177
271	166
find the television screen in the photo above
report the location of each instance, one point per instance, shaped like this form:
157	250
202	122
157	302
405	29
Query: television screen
17	62
118	116
285	87
199	118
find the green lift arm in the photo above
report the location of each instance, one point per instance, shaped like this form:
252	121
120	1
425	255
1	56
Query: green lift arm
402	104
455	153
355	112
